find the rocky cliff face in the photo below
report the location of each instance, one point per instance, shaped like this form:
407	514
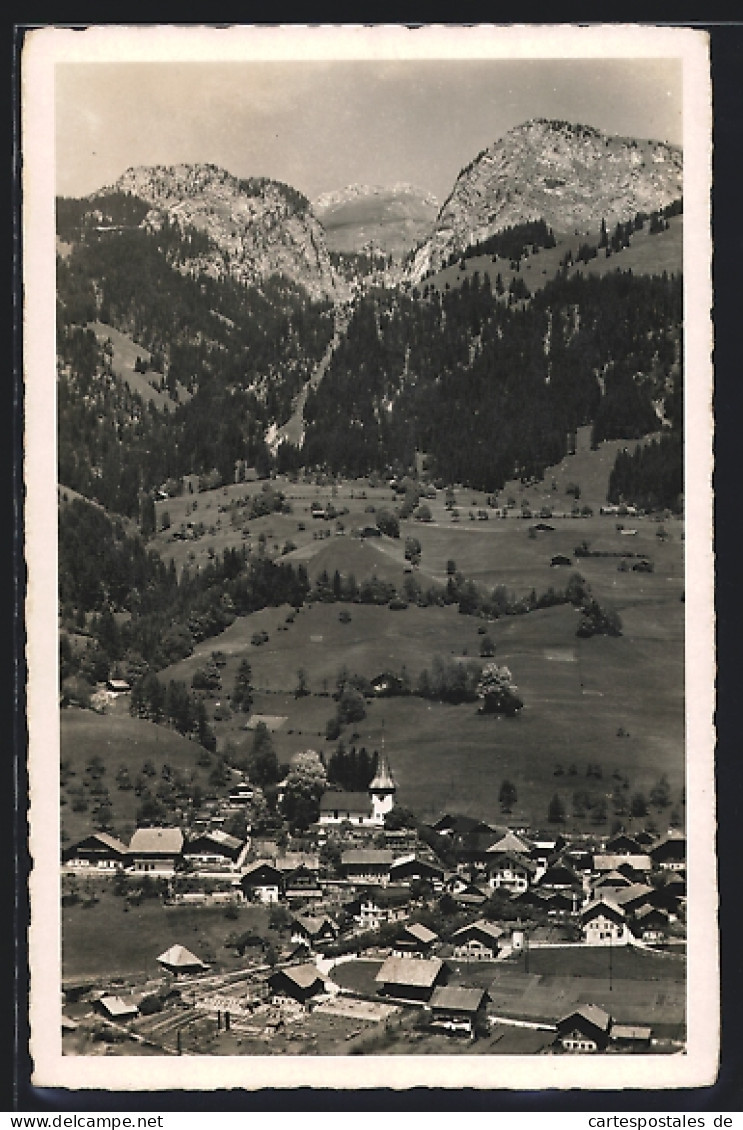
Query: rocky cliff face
568	175
385	218
258	227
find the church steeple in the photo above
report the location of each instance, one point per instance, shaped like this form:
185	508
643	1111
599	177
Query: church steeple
382	788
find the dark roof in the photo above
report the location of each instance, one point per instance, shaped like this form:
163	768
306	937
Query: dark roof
337	801
457	998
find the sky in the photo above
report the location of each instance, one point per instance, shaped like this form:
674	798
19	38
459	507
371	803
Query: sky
320	125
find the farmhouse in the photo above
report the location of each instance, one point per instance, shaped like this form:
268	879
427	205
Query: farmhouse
313	930
410	978
458	1009
650	924
603	923
215	851
415	939
509	871
118	686
99	850
478	941
410	869
670	852
301	883
296	984
585	1030
380	905
156	849
367	865
465	893
262	881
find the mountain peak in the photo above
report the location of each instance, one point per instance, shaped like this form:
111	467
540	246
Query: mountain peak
258	227
569	175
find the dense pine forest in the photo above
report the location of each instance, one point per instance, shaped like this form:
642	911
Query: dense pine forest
490	387
229	358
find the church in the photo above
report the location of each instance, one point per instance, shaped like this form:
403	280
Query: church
367	809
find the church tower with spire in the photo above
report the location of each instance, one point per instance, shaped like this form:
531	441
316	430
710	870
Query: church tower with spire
382	788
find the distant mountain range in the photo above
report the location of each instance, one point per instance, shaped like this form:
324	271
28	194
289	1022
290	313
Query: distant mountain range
392	219
570	176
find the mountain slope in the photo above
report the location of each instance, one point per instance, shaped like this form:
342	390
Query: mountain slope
257	227
388	218
571	176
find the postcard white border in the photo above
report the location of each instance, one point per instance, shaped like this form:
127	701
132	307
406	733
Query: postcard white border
44	48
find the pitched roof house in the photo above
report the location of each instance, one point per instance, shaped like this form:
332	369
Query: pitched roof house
411	868
156	849
313	929
587	1029
297	983
178	959
338	807
603	923
457	1009
378	906
509	871
410	978
367	865
99	850
478	941
415	938
262	881
215	850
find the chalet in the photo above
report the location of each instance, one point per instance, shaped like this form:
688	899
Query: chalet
464	893
508	871
585	1030
478	941
603	923
118	686
99	850
611	879
415	939
410	869
367	865
650	924
116	1008
623	844
301	882
179	960
215	850
157	850
560	879
456	826
262	881
458	1009
313	931
669	853
296	984
410	978
379	906
386	684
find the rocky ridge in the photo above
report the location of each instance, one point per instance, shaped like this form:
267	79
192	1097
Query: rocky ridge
568	175
258	227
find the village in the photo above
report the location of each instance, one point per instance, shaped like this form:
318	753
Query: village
375	934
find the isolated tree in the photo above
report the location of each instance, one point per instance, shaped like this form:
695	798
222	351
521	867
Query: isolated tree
242	695
263	764
507	796
497	692
305	784
556	810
